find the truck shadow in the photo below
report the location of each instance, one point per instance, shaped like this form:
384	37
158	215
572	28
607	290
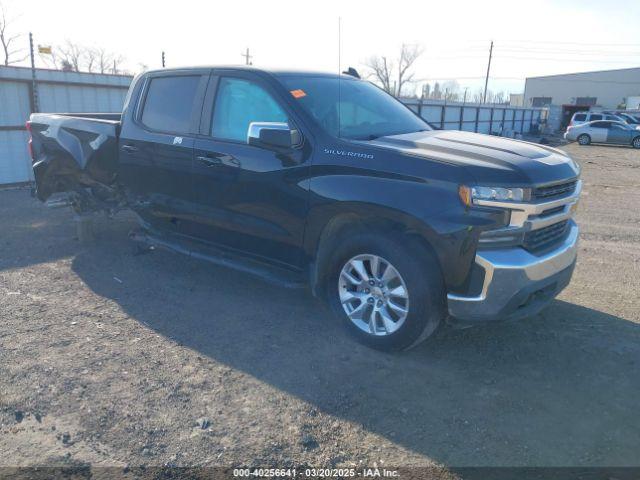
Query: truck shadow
30	233
558	389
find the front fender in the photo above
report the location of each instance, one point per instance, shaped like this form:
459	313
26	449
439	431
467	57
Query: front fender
430	209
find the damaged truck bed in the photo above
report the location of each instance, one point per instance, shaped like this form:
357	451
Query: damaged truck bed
75	153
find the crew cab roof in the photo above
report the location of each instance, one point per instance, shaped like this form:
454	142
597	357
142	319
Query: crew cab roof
276	72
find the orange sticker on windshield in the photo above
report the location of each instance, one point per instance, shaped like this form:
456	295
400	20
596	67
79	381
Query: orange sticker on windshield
298	93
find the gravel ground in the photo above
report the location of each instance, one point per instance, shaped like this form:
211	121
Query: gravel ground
111	359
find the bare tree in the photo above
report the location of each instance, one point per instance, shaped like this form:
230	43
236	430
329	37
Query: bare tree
11	54
437	92
452	90
478	94
90	57
71	55
381	70
117	61
106	61
392	75
408	55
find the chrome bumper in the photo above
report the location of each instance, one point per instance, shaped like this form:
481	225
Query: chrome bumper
517	283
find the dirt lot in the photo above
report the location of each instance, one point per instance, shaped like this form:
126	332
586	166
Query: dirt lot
107	358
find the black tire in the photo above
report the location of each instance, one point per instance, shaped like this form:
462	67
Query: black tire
636	142
584	139
421	274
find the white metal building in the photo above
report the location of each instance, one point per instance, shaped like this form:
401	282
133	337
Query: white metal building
57	92
605	88
572	92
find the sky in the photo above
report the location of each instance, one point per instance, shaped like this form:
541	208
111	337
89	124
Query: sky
531	38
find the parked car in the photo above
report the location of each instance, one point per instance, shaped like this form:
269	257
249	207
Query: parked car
628	118
585	117
327	180
618	133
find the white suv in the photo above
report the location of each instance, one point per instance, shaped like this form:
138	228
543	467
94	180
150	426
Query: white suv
584	117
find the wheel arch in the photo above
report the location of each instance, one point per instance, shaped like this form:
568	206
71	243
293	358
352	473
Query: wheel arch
326	229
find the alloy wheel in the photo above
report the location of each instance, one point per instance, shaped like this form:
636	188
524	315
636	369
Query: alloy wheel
373	294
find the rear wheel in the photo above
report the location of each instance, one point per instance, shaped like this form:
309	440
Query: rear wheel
636	142
584	139
387	290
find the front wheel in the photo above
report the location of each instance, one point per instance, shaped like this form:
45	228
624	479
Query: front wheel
584	139
388	291
636	142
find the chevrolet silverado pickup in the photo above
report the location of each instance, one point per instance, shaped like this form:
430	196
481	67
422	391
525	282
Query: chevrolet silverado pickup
325	180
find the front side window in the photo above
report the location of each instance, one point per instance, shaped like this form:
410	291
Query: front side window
169	103
238	103
600	124
350	108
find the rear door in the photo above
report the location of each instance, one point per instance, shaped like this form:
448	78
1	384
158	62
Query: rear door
251	199
156	146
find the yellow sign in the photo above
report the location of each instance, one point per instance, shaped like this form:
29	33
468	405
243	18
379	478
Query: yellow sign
44	49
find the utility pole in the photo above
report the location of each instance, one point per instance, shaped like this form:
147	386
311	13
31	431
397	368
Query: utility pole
464	100
486	80
34	85
163	59
247	57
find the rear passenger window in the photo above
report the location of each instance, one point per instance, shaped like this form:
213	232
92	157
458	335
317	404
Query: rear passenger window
169	103
580	117
600	124
596	117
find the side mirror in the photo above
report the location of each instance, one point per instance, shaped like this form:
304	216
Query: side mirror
272	135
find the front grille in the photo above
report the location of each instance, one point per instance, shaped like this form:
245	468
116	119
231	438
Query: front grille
536	240
554	191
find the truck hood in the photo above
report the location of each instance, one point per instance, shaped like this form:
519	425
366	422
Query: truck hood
490	160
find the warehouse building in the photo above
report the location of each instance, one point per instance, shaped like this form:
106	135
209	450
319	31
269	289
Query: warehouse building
568	93
55	91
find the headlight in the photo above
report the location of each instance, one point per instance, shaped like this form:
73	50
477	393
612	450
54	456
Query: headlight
470	195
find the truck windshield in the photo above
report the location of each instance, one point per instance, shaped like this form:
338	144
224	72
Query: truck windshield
353	109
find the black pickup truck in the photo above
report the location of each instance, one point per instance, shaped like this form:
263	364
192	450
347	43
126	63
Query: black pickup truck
324	179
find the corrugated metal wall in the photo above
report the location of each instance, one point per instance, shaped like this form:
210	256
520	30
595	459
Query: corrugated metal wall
476	117
57	92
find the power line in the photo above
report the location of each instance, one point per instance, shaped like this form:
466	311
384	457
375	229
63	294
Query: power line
552	42
581	60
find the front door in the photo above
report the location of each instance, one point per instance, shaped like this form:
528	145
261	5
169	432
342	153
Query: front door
251	199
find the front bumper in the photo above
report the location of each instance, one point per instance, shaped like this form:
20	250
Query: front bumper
516	282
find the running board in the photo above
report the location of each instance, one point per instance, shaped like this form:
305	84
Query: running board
271	274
